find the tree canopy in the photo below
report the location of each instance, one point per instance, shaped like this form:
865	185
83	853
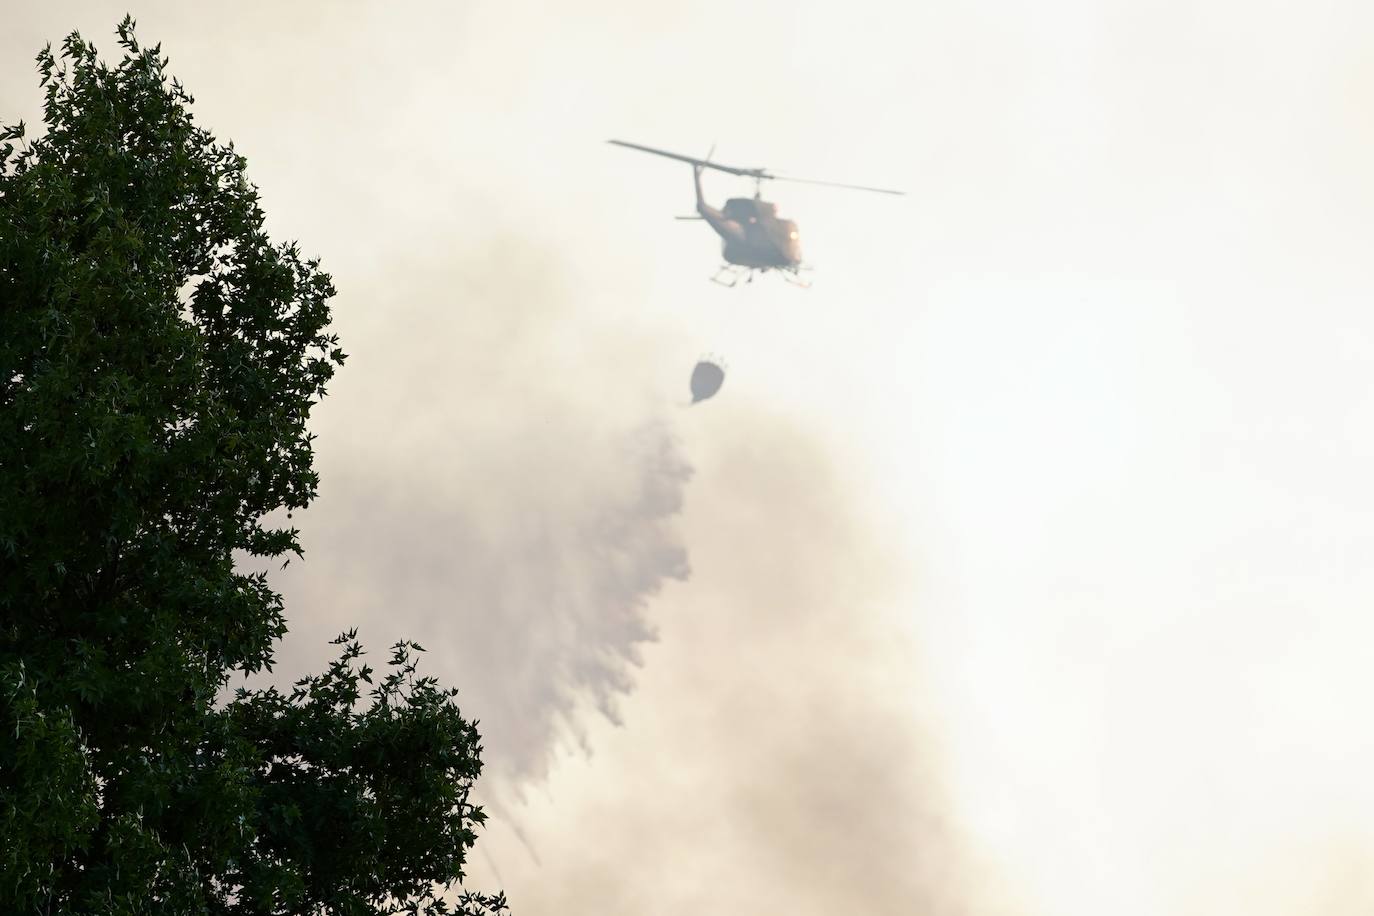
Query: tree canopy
159	359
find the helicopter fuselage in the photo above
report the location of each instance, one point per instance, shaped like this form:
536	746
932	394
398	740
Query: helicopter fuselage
752	234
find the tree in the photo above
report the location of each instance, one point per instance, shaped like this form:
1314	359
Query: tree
159	358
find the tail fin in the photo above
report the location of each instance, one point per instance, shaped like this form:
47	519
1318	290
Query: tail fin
697	169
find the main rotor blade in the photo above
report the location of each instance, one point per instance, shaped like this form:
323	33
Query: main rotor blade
761	174
704	163
834	184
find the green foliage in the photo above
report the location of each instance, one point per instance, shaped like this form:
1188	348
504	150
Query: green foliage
159	358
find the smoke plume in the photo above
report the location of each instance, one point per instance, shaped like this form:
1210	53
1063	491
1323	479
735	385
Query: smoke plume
504	491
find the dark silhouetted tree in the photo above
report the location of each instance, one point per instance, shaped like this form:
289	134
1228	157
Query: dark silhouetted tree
159	358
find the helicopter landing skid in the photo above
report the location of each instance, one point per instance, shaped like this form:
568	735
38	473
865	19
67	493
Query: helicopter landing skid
732	274
729	275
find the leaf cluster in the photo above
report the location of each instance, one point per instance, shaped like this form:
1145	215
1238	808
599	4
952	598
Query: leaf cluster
159	359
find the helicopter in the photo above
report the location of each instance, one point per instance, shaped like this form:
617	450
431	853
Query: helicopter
754	238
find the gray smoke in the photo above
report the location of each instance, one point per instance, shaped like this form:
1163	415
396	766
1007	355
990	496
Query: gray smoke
777	754
495	493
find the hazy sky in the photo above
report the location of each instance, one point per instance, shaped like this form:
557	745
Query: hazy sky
1021	566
